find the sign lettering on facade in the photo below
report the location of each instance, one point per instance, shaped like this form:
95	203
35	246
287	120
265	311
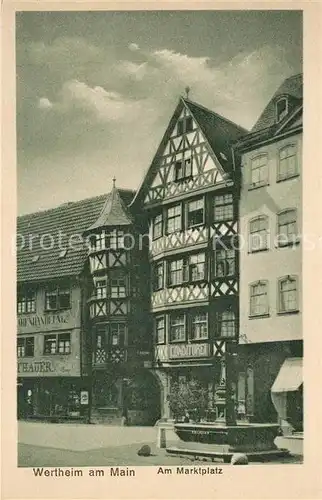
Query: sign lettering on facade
35	367
188	351
53	319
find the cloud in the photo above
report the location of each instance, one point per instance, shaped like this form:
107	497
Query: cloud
134	47
44	103
137	71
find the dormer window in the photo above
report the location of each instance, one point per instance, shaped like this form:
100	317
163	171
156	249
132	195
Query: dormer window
281	109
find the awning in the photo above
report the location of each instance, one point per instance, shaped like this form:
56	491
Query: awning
290	376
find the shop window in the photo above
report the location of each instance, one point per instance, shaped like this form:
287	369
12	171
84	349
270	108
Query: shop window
195	213
57	299
57	344
197	267
174	219
160	330
225	262
199	326
117	334
223	208
288	294
259	171
226	323
158	276
101	289
259	298
287	165
118	288
157	226
287	227
26	301
25	347
177	327
258	234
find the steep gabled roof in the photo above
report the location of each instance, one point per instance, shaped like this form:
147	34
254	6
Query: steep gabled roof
292	87
64	227
114	212
218	131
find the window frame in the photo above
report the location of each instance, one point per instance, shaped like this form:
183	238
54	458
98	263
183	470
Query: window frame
280	281
195	265
228	321
25	340
224	204
188	212
193	323
266	311
23	298
158	225
57	337
104	294
58	291
265	182
176	271
285	113
279	176
157	330
184	168
120	334
156	276
281	244
251	248
224	261
172	315
118	287
174	217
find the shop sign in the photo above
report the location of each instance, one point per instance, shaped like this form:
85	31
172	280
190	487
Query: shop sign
37	321
35	367
84	398
188	351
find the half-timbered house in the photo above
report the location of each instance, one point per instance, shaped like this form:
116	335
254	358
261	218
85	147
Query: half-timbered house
190	197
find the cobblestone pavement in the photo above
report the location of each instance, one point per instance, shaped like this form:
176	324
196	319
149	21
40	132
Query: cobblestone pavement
68	445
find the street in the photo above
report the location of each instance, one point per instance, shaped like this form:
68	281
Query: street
66	445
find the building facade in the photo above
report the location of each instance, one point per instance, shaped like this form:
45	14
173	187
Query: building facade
270	261
190	199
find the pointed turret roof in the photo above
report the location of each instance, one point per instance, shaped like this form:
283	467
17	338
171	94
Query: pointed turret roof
114	212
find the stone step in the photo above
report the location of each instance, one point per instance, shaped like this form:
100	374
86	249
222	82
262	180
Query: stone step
226	456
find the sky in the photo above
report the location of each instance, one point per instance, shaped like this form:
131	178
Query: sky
96	90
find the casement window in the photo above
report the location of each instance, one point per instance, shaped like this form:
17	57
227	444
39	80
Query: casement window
288	294
195	212
226	323
225	261
101	289
57	344
101	336
174	219
223	208
259	298
184	125
118	287
176	272
258	233
101	241
287	227
157	226
158	276
281	108
287	164
26	301
177	327
259	171
199	326
116	239
197	267
117	336
57	299
25	347
183	168
160	330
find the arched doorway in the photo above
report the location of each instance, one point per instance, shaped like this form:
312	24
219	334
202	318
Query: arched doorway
142	397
